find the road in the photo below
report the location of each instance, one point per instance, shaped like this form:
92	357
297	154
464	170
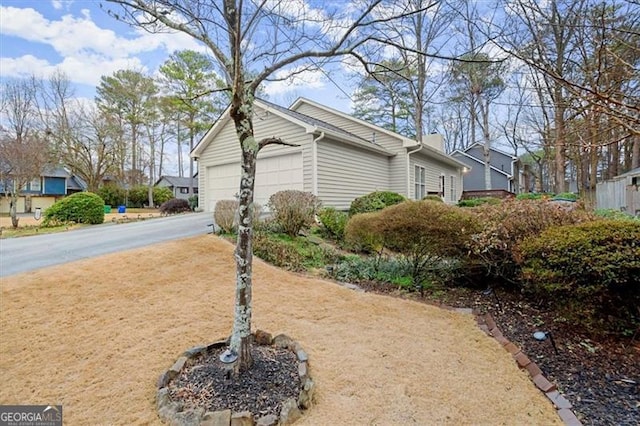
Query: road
34	252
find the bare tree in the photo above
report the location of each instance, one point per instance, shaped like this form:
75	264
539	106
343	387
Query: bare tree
250	41
24	152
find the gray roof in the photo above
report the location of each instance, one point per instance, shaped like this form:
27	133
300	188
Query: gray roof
55	171
632	172
177	181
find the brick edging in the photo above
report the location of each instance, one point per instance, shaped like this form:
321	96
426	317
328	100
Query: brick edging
562	405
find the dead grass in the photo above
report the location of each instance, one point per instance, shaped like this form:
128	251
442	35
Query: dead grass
93	336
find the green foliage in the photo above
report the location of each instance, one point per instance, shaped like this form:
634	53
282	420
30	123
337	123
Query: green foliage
505	225
363	233
360	269
590	271
113	195
175	205
161	194
529	196
292	253
374	201
475	202
333	222
193	202
294	210
569	196
614	214
435	198
82	207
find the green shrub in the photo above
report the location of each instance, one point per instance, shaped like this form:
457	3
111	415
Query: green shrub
435	198
193	202
82	207
590	271
113	195
374	201
333	222
292	253
568	196
162	194
530	196
505	225
426	233
174	206
614	214
294	210
475	202
362	232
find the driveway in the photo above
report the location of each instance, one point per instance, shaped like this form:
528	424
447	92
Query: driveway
29	253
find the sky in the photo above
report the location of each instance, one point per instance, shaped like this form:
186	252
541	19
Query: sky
79	38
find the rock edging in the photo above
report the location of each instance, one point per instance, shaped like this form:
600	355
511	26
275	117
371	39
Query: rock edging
562	405
175	413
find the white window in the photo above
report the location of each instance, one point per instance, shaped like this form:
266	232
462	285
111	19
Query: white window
441	189
35	185
420	180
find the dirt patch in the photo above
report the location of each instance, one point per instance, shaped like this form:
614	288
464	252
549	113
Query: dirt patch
94	335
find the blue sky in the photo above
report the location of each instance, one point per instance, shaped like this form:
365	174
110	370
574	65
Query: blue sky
80	39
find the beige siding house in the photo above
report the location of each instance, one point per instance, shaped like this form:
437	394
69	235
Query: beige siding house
338	158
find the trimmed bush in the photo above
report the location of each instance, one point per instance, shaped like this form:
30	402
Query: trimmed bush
506	224
82	207
175	205
162	194
139	196
292	253
590	271
363	232
374	201
294	210
193	202
333	222
436	198
615	214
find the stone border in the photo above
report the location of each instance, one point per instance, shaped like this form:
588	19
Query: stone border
175	413
562	405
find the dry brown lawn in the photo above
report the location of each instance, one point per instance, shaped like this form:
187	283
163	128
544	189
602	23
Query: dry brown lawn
95	334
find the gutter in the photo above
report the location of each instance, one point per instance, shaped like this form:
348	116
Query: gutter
419	148
314	162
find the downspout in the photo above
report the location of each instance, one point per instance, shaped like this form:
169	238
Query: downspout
314	162
409	170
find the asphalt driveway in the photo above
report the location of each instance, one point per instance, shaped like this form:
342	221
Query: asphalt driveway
29	253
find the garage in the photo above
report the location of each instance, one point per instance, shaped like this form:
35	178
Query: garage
273	174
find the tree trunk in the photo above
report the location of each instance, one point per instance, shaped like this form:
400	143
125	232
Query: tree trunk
635	156
242	114
486	148
13	210
560	154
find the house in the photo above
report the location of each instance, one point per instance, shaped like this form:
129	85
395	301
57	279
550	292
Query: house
506	173
620	193
337	157
179	186
53	183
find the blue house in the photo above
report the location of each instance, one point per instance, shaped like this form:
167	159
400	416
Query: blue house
506	173
52	184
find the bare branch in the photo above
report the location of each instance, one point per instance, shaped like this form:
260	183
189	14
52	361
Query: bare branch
273	141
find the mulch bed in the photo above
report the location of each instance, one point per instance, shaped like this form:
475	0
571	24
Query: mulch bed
207	383
600	377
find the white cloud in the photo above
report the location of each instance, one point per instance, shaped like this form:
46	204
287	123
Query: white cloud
87	50
291	80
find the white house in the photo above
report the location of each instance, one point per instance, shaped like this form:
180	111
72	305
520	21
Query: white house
338	158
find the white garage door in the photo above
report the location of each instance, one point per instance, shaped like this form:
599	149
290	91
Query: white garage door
273	174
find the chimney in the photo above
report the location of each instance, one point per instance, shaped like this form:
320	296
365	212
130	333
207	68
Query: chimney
434	140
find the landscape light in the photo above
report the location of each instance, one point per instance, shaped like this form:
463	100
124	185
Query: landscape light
542	336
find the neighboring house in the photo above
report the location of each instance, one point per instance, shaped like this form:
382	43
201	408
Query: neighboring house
338	158
179	186
505	170
620	193
53	184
